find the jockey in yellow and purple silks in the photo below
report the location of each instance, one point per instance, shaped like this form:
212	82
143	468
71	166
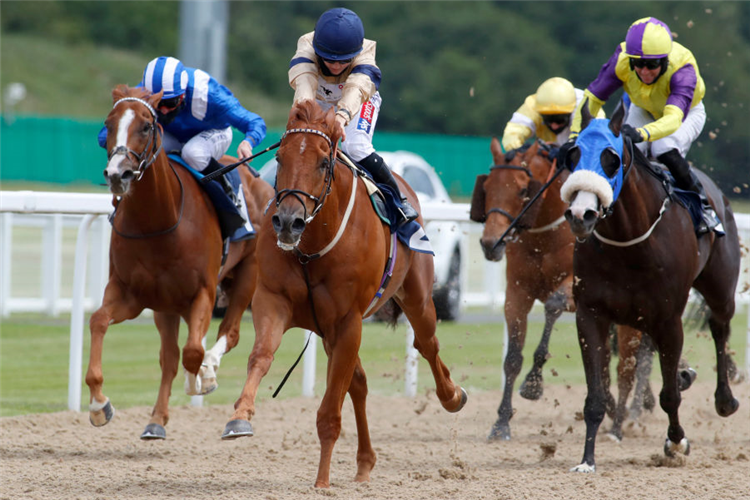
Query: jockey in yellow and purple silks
546	114
662	80
335	65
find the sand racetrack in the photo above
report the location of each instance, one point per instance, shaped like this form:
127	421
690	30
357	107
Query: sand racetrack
423	453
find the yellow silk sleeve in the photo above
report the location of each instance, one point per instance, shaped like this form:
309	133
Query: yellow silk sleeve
515	135
664	126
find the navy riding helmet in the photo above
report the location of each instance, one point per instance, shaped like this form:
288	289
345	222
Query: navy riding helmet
338	35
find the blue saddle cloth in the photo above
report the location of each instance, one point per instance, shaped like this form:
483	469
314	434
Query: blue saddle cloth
235	226
411	234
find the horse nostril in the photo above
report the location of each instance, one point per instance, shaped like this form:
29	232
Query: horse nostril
298	225
569	215
127	175
590	216
276	223
106	175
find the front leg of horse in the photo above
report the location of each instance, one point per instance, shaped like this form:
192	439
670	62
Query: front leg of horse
168	325
592	336
512	366
269	321
198	321
533	386
115	308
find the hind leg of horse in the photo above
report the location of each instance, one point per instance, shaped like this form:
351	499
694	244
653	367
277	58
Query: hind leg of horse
517	307
116	307
198	321
593	330
669	344
629	341
365	454
725	403
240	295
168	325
420	311
342	346
643	396
560	301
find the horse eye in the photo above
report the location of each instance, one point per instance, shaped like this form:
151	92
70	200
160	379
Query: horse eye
324	164
523	192
146	128
610	161
573	157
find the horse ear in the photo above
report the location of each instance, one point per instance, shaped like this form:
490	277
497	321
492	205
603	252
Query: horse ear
497	151
477	209
154	99
333	130
618	117
585	114
119	92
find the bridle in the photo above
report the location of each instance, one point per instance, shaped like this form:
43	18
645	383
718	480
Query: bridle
143	162
522	168
298	194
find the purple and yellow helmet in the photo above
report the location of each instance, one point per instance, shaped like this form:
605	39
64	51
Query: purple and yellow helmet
648	38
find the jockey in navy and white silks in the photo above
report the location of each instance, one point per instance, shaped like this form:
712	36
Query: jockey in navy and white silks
197	114
335	65
662	80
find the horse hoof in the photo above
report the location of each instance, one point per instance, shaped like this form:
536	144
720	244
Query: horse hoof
672	449
615	437
531	389
154	431
499	432
687	377
237	428
101	414
724	410
584	467
464	399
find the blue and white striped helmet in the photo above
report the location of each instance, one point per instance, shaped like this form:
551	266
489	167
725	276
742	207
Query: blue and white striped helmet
167	74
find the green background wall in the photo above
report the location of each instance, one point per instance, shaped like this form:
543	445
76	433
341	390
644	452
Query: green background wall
62	150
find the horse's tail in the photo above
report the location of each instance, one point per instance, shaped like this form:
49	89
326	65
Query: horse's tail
390	312
696	316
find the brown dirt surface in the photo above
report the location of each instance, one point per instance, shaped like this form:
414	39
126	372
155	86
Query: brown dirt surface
423	453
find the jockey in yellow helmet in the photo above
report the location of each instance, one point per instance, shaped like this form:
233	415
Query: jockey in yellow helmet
662	80
546	114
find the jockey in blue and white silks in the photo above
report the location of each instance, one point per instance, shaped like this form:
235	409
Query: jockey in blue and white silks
197	114
335	65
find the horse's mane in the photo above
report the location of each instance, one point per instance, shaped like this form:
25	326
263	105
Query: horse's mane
310	113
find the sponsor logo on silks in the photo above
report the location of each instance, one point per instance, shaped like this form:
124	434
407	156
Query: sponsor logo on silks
365	117
327	92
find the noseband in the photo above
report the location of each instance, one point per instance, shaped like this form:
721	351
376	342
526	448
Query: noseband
143	161
298	194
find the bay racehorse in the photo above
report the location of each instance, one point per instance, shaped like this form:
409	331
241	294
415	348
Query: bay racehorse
326	261
166	255
539	266
636	259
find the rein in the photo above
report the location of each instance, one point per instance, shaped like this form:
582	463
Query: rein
227	168
143	165
514	222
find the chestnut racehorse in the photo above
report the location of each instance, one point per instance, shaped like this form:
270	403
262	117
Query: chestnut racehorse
635	261
166	255
322	258
539	257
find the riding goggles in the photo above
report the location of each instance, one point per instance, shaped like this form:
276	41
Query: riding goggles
560	119
170	103
341	61
646	63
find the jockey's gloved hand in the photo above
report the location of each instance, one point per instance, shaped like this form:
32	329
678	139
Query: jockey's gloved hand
562	153
632	133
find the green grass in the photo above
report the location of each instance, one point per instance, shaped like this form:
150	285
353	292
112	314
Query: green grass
34	354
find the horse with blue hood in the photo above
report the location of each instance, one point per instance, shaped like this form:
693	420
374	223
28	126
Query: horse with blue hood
636	259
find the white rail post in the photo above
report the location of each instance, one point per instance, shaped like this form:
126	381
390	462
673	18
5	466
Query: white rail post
6	244
52	263
410	377
76	315
308	372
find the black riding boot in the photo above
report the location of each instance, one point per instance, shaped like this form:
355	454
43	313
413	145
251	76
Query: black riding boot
213	166
687	180
382	175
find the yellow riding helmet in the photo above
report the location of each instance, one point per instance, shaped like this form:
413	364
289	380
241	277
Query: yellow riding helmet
648	38
555	96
